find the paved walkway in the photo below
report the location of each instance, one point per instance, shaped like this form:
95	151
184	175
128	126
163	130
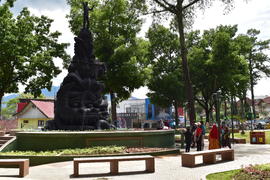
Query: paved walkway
167	167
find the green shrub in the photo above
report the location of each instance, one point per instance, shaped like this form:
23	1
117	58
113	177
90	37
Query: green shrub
85	151
30	153
94	150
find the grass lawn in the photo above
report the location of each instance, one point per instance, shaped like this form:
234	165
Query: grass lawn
246	136
251	172
227	175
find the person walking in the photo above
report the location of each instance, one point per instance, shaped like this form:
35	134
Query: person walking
222	133
203	134
198	136
188	138
213	138
193	130
227	141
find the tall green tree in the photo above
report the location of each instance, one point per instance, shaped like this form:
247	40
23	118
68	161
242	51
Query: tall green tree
214	63
253	50
183	11
165	83
115	24
27	49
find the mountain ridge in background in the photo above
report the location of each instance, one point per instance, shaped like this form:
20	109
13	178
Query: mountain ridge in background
49	94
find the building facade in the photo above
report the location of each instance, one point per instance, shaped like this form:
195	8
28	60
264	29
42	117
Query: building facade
33	113
139	113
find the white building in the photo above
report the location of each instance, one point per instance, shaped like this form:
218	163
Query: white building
131	105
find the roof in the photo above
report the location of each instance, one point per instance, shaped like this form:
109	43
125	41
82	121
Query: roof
20	106
45	107
267	100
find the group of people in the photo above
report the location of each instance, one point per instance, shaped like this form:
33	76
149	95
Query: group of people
195	137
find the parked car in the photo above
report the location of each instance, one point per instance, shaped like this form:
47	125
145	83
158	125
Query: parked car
247	124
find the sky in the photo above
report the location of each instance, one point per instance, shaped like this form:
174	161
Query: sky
254	14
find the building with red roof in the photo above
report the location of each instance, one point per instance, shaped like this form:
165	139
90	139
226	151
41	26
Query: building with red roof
33	113
263	107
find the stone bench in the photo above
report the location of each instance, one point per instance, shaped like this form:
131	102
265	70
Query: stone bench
209	156
114	162
22	163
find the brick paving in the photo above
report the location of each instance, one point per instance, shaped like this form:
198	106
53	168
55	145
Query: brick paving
167	167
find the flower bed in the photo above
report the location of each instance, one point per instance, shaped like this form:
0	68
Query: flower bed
250	172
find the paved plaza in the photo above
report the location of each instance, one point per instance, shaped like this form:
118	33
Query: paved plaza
167	167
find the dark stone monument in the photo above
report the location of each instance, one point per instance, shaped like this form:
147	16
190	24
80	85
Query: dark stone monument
79	104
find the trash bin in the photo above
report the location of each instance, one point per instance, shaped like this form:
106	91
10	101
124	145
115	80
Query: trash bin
257	137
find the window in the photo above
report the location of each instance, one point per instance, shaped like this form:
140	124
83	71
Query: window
128	110
25	121
40	123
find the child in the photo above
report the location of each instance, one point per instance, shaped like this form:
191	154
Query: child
188	138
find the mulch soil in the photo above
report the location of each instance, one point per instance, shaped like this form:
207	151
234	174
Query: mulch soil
145	149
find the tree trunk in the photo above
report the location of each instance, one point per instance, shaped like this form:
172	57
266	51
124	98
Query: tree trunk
1	107
252	91
242	114
242	110
188	84
217	108
176	114
232	113
225	109
1	97
113	108
211	117
207	114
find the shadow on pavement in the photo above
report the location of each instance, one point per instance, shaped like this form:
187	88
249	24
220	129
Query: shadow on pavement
109	174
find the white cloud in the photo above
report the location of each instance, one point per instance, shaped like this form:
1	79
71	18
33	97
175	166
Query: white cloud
60	24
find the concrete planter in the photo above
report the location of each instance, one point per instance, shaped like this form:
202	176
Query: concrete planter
38	141
14	131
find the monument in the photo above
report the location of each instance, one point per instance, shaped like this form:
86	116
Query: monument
79	102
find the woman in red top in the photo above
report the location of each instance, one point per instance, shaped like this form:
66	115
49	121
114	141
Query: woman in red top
198	135
213	138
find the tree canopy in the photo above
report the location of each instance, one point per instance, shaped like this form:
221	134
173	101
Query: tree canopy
215	64
28	49
253	51
183	12
166	82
